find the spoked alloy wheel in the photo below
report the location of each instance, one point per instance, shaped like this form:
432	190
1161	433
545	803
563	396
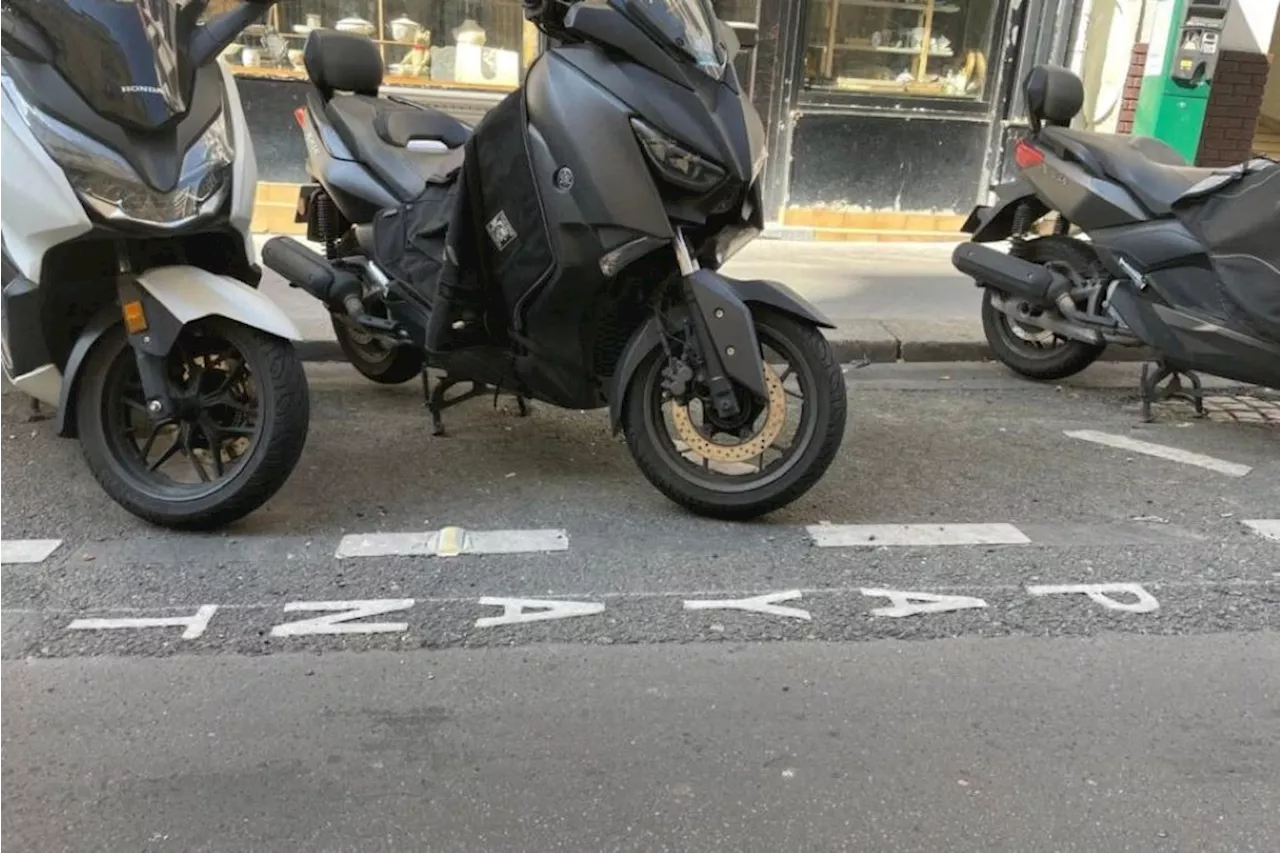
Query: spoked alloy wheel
774	451
238	427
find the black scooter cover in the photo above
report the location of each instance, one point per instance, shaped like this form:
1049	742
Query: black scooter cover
1236	214
488	213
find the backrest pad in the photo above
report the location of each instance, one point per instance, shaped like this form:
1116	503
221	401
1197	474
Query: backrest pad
342	62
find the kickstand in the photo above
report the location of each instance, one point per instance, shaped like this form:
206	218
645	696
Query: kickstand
437	402
1173	389
522	405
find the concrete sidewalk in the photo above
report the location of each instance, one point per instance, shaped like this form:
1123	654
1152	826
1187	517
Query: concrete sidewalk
890	301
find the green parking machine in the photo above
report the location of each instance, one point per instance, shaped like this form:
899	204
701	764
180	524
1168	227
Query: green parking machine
1181	58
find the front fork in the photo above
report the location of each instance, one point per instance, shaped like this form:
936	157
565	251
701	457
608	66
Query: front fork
725	333
152	331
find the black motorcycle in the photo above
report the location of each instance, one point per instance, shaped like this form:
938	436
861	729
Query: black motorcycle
565	250
1181	259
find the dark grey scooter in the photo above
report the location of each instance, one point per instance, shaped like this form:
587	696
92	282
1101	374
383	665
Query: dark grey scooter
566	249
1183	260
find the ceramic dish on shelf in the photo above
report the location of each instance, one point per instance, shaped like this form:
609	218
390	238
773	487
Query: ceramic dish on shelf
404	29
302	29
359	26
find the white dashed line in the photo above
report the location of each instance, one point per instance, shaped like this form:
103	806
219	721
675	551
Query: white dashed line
452	542
874	535
27	550
1161	451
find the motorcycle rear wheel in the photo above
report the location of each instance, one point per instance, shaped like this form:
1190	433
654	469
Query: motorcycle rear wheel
680	463
1031	351
374	361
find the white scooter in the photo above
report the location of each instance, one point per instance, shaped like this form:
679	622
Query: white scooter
129	298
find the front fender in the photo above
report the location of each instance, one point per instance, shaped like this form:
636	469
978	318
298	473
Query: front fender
174	296
191	293
646	339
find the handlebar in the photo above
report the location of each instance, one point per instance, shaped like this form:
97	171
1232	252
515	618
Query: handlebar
210	39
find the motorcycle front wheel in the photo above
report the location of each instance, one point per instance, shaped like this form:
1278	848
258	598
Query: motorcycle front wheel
241	413
770	456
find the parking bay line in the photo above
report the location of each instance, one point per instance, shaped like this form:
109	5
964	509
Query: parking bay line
914	535
1267	528
451	542
27	551
1161	451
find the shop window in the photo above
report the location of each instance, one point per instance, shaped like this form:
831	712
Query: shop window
469	44
740	14
923	48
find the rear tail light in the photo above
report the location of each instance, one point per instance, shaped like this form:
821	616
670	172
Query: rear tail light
300	116
1027	155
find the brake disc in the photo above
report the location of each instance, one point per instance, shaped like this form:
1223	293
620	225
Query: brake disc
775	419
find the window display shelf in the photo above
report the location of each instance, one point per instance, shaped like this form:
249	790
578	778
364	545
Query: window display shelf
941	9
480	45
885	47
867	48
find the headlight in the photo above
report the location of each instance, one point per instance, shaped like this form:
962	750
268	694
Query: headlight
108	185
675	162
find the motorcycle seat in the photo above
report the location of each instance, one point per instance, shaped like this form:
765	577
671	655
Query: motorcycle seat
1155	173
404	145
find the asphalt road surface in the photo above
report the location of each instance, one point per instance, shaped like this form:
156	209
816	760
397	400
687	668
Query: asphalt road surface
1011	617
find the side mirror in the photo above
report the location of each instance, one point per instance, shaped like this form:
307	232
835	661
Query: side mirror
209	40
729	38
747	34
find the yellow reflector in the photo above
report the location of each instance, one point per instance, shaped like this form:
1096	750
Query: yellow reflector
135	319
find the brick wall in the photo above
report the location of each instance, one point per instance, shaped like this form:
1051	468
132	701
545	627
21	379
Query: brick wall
1132	88
1235	101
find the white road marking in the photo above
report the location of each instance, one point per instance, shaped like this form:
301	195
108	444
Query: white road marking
1102	593
766	604
338	621
873	535
193	626
27	550
918	603
451	542
518	610
1161	451
1267	528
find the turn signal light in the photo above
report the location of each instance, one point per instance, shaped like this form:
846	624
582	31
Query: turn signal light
135	319
1027	155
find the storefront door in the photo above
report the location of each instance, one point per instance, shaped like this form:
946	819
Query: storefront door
893	114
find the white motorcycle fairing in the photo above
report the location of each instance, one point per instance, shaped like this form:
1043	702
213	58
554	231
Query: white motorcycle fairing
41	211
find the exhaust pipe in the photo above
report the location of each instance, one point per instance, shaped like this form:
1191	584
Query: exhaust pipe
1009	275
340	290
308	270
